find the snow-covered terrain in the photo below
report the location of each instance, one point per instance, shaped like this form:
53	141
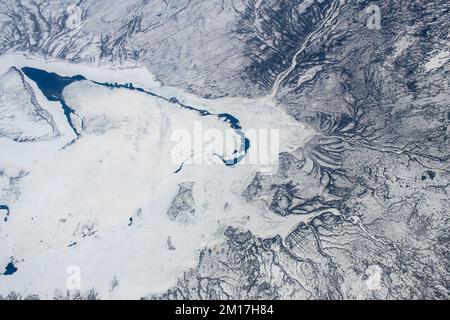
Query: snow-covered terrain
101	199
241	149
23	120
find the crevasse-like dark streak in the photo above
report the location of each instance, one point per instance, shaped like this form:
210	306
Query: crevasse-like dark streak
52	86
5	207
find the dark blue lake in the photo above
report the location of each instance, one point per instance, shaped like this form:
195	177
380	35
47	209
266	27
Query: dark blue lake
10	269
52	86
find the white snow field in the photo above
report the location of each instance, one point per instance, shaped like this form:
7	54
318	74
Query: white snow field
71	201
